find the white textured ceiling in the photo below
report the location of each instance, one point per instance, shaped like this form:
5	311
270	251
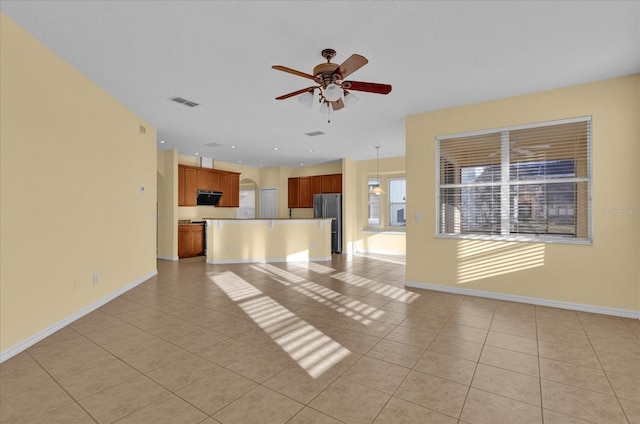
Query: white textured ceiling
219	54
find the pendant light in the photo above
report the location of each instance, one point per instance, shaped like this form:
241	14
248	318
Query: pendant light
377	190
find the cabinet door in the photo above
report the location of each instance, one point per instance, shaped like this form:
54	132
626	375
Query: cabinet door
332	183
216	184
327	184
204	179
225	183
316	185
294	192
337	183
234	190
306	200
184	241
191	186
197	240
182	190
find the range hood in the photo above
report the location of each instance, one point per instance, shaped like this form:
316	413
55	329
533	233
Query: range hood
208	198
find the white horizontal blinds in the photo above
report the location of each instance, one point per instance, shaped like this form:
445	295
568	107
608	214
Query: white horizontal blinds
549	173
532	180
374	216
470	185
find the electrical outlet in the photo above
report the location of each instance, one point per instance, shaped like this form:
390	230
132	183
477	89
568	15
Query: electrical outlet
95	279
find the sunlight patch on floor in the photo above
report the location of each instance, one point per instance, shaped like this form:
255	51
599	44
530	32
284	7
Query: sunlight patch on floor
354	309
313	350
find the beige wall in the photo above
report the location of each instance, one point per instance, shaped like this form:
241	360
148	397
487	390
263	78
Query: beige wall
73	165
604	274
167	204
392	240
266	240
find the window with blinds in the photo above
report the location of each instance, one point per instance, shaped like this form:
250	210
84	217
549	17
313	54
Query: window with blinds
374	218
528	182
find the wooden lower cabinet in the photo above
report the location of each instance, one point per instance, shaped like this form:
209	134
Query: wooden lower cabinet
190	240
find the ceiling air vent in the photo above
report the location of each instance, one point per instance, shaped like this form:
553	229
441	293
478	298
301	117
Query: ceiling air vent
314	133
183	101
213	144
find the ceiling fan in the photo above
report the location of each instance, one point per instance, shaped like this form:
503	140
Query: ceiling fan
330	81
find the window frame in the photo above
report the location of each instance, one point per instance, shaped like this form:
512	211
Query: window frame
504	185
390	203
372	182
385	205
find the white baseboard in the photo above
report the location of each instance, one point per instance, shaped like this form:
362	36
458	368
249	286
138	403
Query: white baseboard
30	341
380	252
626	313
168	258
265	261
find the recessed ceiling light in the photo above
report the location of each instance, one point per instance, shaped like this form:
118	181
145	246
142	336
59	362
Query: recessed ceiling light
197	153
161	141
301	163
275	148
233	147
239	161
310	150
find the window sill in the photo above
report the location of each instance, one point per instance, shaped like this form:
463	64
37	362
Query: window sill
518	239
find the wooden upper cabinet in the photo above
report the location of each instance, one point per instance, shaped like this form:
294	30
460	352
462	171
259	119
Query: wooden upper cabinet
192	178
302	189
216	183
332	183
191	187
234	185
294	192
306	199
230	188
316	185
187	185
204	179
181	186
225	200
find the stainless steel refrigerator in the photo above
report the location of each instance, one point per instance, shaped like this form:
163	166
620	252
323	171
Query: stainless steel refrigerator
330	206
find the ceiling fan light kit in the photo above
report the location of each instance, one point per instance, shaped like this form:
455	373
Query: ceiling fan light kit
331	85
332	92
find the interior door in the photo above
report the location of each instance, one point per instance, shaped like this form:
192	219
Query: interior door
268	203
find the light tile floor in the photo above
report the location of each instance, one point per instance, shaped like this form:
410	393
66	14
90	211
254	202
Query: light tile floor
328	342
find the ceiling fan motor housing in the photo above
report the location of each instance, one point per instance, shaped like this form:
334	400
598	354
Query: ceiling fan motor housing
324	73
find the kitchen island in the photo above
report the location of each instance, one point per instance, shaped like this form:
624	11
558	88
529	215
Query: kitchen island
268	240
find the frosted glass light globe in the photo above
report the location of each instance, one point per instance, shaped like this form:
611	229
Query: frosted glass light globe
332	92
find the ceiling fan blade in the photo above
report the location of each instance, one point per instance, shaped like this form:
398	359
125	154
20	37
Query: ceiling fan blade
337	105
523	152
352	64
370	87
295	93
293	71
